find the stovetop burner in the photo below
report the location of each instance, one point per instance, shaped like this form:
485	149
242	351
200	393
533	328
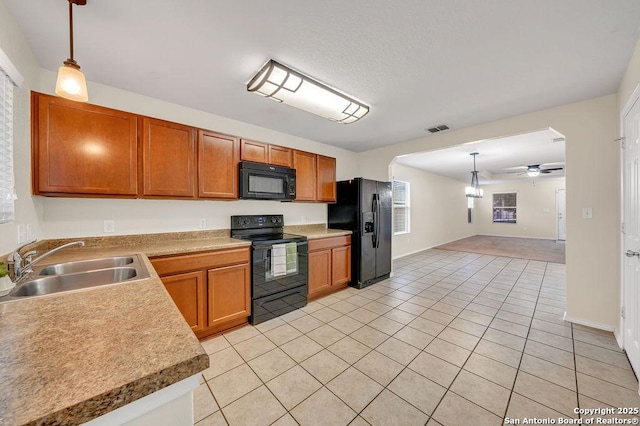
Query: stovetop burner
261	228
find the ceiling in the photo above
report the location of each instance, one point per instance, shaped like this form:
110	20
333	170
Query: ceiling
416	63
499	160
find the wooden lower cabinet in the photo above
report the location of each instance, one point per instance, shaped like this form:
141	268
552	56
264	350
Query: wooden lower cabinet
329	265
188	292
228	301
212	289
319	272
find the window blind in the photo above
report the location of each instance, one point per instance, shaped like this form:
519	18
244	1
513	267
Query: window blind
7	185
400	207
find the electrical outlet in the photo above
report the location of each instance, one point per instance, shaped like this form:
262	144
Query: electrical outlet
109	226
203	222
304	219
29	233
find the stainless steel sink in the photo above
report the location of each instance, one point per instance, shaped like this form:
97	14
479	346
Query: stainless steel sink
73	276
86	265
77	281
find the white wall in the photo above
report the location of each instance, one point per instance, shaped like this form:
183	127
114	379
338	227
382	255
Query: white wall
71	217
593	251
27	209
536	210
438	211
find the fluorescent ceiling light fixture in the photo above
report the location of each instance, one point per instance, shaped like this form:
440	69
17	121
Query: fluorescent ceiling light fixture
282	84
71	83
474	190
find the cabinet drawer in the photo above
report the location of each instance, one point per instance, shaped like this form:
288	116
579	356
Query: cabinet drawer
213	259
325	243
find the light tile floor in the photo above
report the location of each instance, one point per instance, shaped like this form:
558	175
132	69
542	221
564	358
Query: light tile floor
452	339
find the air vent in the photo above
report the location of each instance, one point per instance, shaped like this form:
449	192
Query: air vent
440	128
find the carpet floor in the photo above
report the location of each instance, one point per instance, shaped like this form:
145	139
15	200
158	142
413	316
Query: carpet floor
522	248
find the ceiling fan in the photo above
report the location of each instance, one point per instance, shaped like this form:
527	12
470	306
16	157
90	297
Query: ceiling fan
534	170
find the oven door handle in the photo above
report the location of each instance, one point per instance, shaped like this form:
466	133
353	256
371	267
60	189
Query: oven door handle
269	244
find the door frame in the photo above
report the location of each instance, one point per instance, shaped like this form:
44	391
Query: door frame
558	213
633	98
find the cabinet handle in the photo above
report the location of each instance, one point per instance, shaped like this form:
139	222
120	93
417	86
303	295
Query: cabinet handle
630	253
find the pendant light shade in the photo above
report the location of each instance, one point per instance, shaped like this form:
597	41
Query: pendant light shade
71	83
474	190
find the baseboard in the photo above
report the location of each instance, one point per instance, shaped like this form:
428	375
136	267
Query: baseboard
430	247
517	236
618	337
587	323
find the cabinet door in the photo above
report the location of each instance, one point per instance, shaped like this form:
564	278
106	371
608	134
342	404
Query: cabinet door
326	181
257	152
169	159
280	156
319	271
83	149
305	165
229	294
218	157
341	266
188	293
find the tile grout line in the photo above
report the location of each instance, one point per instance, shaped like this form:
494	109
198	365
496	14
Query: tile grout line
448	389
404	325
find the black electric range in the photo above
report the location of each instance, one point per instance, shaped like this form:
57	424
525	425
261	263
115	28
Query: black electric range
279	265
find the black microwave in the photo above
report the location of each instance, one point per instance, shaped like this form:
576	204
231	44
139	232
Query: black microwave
259	181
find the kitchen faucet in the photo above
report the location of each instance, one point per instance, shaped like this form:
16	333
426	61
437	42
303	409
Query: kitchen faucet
22	271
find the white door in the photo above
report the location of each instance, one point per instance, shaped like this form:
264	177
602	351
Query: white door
631	234
561	202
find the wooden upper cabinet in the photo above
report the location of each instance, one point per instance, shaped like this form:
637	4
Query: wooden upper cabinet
280	156
260	152
218	157
169	159
326	181
305	165
82	149
257	152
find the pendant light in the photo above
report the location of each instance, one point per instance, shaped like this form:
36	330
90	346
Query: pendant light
71	83
474	190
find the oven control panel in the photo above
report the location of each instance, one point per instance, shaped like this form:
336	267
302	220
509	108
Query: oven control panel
257	221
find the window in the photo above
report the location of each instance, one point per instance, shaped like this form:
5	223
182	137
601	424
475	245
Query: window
504	207
7	187
400	207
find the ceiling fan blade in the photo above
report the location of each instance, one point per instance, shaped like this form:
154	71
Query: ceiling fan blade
553	169
545	171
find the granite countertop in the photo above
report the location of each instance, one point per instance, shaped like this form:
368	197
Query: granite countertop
70	357
313	232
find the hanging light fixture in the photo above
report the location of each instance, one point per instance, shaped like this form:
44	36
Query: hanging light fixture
282	84
474	190
71	83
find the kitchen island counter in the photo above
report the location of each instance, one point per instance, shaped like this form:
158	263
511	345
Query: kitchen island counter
70	357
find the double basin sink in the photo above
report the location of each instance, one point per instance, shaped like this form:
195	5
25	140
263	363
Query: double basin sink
72	276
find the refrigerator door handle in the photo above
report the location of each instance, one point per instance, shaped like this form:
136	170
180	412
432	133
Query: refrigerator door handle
374	208
377	222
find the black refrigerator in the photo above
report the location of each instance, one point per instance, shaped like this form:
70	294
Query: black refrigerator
364	207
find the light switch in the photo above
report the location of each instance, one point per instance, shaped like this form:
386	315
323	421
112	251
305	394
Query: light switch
587	213
203	222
